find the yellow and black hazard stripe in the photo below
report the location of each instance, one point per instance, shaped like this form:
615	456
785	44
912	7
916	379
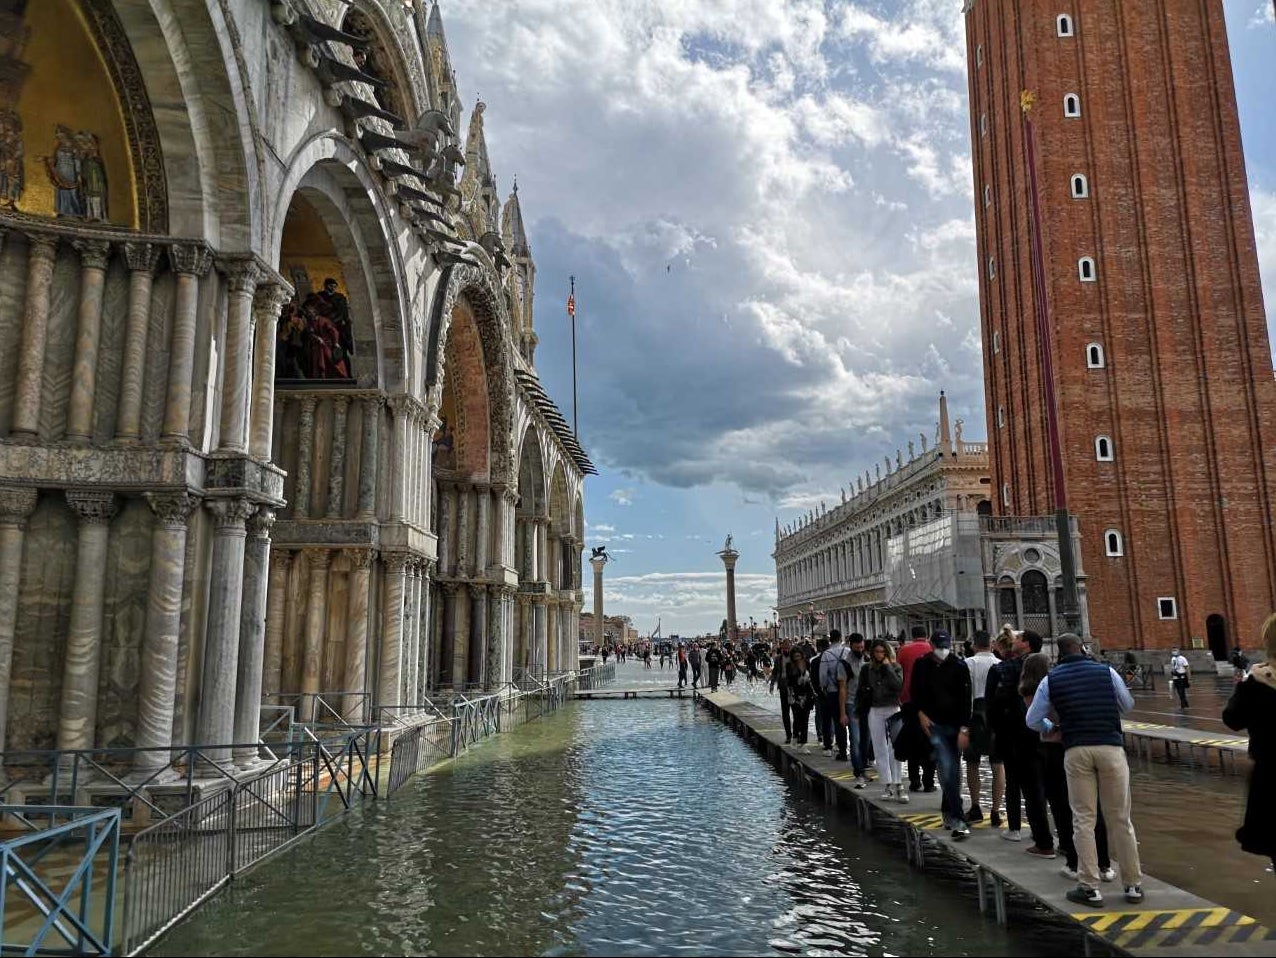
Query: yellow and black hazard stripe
1180	926
933	821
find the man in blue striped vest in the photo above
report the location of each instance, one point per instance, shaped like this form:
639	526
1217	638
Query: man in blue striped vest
1089	699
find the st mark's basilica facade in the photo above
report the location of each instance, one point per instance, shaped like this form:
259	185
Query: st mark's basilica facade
270	424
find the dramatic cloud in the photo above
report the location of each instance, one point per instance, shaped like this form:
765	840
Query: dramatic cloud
686	597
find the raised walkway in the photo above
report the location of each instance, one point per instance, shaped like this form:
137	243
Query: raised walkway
1010	885
640	692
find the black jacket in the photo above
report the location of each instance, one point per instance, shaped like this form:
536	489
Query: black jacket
942	690
880	685
1252	708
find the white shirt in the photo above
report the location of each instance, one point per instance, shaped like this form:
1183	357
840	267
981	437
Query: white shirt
1179	664
980	664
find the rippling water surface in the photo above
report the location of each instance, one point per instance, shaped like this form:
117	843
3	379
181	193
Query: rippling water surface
631	827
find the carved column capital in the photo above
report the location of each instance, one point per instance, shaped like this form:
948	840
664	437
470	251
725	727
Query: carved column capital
318	558
450	589
230	514
94	254
268	300
395	562
172	509
308	405
42	246
261	522
16	504
341	403
193	258
141	257
242	273
477	588
281	559
361	559
93	506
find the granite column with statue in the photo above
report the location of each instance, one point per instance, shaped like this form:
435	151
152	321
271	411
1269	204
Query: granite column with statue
598	562
729	557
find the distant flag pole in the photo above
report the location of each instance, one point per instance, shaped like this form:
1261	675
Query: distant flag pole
571	311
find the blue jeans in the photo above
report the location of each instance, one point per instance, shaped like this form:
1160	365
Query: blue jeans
833	730
948	760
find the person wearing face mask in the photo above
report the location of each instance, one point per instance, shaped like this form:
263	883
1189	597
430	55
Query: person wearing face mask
941	693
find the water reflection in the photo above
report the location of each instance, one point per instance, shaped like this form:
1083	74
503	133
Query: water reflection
611	828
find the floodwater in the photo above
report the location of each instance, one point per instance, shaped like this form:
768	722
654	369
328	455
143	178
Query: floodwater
640	827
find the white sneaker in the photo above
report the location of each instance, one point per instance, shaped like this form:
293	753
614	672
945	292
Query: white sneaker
901	796
1108	874
1011	835
889	794
1068	873
861	782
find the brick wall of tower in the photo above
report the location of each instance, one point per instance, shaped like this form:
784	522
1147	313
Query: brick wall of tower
1187	394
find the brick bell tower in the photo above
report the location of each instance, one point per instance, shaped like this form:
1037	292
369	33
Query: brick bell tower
1149	273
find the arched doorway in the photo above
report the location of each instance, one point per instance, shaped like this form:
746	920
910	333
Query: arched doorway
1216	635
1036	602
531	548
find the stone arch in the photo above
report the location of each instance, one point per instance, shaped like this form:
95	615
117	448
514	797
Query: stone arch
464	444
383	58
578	519
482	296
336	184
533	490
188	78
559	501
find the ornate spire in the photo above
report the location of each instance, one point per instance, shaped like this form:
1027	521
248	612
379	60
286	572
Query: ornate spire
945	431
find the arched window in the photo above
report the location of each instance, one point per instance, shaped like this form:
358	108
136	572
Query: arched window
979	55
1086	269
1001	416
1080	186
1065	25
1005	493
1113	544
992	267
983	124
988	195
1103	449
1036	593
996	342
1094	356
1072	105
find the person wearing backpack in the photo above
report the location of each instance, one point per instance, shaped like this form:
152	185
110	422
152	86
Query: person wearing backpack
835	686
1180	676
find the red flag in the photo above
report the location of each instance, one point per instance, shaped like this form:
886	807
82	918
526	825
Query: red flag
571	305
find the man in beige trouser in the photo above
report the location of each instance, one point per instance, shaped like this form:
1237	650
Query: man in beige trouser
1087	700
1100	774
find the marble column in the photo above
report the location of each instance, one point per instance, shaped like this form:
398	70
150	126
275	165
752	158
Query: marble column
425	633
337	462
268	300
498	558
478	634
355	671
215	726
368	455
78	716
398	453
16	505
276	618
598	564
529	549
391	629
411	623
189	262
447	539
157	691
447	633
94	256
42	251
141	259
316	613
305	456
252	634
551	634
540	655
522	641
483	529
542	548
242	276
497	636
463	552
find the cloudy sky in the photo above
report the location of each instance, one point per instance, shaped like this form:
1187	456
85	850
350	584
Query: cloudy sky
767	207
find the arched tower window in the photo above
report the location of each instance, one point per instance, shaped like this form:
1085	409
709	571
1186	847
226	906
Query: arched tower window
1113	544
1103	449
988	195
1065	25
1080	186
1072	105
1086	269
1094	356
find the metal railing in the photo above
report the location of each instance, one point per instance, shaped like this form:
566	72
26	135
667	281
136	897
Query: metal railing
175	865
45	908
416	749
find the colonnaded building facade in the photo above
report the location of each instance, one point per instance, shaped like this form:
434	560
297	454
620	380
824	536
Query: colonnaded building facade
269	416
903	548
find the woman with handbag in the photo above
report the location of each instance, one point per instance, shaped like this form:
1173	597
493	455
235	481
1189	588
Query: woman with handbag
801	696
881	680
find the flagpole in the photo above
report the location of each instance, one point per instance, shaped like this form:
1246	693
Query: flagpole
575	408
